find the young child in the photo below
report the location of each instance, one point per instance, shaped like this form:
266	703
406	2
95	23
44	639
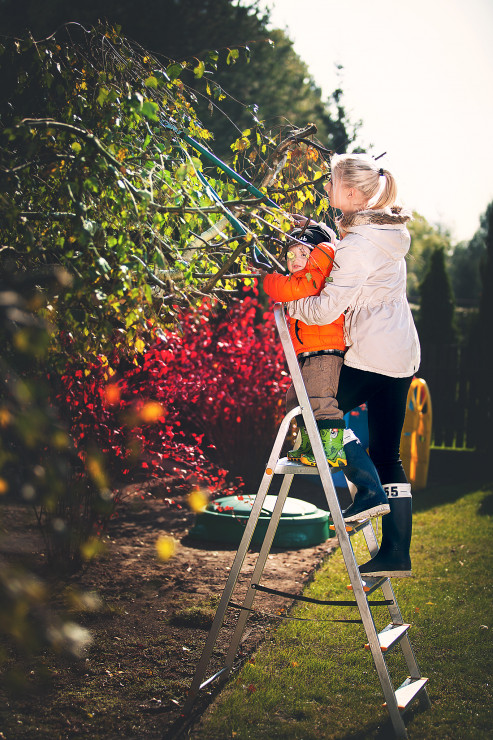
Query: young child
320	349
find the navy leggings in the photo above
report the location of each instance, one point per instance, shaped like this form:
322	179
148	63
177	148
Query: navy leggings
385	398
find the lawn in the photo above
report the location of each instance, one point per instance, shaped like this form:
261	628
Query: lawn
313	679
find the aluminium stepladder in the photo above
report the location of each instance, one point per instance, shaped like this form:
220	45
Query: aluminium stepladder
394	634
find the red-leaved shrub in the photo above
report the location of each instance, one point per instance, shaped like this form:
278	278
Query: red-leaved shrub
202	403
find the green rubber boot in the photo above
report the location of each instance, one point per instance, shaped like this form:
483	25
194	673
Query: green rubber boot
305	447
333	444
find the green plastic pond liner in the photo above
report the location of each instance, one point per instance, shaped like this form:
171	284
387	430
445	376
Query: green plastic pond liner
224	520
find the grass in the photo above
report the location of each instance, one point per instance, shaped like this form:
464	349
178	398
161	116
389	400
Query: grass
315	680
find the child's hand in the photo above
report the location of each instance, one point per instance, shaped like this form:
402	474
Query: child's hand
257	272
300	220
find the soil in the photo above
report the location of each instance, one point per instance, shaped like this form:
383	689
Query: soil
151	625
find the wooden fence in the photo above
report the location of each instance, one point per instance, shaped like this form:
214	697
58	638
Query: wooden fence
461	395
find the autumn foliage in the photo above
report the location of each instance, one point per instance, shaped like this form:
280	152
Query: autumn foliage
198	406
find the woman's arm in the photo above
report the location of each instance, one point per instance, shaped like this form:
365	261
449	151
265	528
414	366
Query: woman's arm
348	276
306	282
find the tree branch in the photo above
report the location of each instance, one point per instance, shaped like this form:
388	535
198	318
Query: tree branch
225	267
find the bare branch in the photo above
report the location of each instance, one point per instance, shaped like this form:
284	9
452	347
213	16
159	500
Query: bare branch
225	267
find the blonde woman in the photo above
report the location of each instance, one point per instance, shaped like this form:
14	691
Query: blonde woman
369	286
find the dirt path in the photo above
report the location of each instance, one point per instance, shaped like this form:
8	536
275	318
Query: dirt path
149	633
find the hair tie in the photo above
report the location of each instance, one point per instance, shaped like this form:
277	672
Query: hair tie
380	172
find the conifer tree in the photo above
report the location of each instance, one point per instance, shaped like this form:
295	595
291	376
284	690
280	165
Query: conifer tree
480	346
437	305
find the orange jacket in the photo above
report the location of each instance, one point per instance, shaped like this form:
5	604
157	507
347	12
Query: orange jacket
307	282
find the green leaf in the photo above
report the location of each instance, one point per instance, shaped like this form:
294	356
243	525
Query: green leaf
76	147
103	94
232	56
151	82
174	70
199	70
150	110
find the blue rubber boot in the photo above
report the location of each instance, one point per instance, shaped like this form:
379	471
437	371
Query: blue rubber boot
370	499
393	560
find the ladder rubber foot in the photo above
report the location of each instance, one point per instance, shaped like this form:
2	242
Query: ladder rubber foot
354	526
408	691
369	584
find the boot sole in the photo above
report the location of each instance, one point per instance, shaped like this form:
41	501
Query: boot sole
339	465
388	574
381	509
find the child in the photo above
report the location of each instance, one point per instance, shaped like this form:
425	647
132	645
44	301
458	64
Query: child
320	349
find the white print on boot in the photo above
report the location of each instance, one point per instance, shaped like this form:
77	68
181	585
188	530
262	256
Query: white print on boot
349	436
397	490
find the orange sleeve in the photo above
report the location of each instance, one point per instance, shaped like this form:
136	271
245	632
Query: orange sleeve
303	283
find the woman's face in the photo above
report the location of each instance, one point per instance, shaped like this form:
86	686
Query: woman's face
342	197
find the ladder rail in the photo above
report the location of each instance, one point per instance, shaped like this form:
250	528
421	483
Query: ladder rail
238	562
337	518
258	570
322	469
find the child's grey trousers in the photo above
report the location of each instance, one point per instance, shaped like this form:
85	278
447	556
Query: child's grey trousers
321	378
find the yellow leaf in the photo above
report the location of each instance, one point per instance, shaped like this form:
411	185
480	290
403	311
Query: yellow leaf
198	500
95	469
91	548
166	547
139	346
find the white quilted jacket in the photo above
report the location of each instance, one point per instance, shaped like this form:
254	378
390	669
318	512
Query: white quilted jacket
369	284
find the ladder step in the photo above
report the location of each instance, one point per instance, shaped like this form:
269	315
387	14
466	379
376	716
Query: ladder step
408	691
354	526
285	466
370	584
391	635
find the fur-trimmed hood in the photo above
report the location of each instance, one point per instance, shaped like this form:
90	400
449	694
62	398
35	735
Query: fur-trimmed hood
384	217
386	229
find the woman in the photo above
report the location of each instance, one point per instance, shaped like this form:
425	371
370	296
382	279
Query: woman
369	285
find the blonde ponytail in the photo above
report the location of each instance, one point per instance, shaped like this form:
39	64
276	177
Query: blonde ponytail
388	195
362	172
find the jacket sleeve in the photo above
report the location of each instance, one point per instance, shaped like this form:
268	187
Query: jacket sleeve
306	282
348	276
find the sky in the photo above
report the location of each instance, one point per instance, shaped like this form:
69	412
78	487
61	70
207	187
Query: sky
419	75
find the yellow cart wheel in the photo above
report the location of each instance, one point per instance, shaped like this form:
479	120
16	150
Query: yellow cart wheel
416	434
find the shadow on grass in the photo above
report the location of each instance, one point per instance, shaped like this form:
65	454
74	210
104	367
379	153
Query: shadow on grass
452	475
383	730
